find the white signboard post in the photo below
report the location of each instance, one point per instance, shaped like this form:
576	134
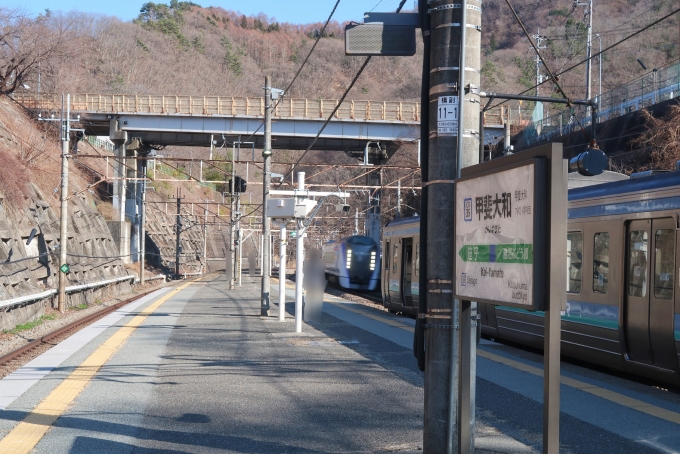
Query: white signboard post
495	236
447	115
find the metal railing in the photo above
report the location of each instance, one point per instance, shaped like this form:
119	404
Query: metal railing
653	88
226	106
100	143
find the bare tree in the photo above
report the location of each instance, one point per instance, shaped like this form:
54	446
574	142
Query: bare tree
26	42
662	138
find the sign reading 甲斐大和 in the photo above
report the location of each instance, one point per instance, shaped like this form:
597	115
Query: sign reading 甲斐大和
495	236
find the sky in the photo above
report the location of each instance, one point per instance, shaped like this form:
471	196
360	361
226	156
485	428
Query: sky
295	11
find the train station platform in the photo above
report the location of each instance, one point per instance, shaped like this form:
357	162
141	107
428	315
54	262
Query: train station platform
195	368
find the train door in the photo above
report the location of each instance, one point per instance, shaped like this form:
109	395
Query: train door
386	272
394	280
648	316
407	271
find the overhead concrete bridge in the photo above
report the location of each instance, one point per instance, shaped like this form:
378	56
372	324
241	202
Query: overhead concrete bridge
195	120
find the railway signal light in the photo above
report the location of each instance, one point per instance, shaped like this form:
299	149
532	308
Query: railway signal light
239	184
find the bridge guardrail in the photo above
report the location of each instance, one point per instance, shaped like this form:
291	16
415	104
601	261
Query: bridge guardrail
225	105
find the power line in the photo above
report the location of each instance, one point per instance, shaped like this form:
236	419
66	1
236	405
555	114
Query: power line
598	53
318	38
344	95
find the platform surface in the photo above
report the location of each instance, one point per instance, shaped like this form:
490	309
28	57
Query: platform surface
197	369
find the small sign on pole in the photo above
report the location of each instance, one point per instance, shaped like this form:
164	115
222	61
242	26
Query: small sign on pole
447	115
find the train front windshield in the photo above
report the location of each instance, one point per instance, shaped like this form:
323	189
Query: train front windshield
361	259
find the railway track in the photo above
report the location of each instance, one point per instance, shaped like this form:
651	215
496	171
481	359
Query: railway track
17	358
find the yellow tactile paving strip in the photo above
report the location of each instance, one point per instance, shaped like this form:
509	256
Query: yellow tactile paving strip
635	404
27	434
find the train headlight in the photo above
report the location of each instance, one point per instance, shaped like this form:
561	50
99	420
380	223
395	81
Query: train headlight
349	258
372	260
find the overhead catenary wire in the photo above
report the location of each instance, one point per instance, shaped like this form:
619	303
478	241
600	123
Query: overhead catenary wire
344	95
304	62
648	26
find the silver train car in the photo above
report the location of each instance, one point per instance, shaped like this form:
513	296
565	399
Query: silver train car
352	262
623	298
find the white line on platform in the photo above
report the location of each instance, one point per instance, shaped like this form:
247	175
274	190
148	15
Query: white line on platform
21	380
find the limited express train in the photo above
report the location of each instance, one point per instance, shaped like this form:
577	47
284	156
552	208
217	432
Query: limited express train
623	306
353	262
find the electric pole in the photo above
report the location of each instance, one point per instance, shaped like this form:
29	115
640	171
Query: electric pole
178	232
63	236
399	199
539	78
142	229
266	222
232	251
589	12
454	137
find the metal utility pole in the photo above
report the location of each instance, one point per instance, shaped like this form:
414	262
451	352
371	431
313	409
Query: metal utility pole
399	199
599	65
63	237
237	257
142	229
178	232
453	143
356	221
267	155
232	251
299	260
205	234
282	272
589	12
539	78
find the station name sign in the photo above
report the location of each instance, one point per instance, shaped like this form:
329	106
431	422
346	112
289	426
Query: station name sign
498	247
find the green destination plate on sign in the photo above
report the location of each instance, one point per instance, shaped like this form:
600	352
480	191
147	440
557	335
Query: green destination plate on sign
498	253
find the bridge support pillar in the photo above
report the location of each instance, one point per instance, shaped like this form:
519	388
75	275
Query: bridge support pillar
119	138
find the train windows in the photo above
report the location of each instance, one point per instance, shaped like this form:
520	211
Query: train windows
574	261
637	263
395	257
417	259
601	262
664	266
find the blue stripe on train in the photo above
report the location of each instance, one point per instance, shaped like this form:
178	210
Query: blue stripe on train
667	203
600	315
676	330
